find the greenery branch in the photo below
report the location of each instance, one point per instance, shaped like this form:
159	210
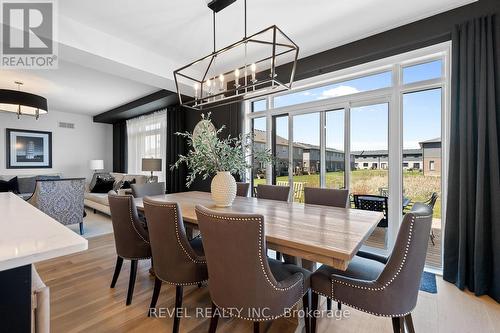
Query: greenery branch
209	154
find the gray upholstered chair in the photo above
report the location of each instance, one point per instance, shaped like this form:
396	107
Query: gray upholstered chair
242	189
131	239
148	189
385	287
177	261
61	199
326	197
241	276
273	192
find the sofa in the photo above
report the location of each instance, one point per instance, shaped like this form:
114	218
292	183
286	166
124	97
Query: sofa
99	201
26	183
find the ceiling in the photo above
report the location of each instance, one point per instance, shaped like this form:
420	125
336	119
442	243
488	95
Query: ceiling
114	51
76	89
182	30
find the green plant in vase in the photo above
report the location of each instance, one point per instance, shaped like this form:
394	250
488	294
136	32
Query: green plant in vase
211	154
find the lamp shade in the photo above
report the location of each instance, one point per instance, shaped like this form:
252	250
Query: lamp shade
151	164
96	165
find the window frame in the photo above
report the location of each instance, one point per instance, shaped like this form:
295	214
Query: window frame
392	95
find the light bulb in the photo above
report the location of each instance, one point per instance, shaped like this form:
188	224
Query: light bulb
237	73
253	68
221	77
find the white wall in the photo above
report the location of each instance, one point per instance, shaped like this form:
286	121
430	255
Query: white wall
72	149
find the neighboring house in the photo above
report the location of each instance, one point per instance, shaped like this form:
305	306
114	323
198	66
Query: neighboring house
431	156
379	159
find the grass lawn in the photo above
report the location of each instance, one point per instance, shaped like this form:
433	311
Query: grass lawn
417	187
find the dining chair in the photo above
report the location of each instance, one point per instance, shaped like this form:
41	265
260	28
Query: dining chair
242	189
147	189
273	192
241	275
376	203
386	287
177	261
131	239
325	197
432	202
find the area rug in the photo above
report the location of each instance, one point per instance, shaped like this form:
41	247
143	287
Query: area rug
94	224
428	283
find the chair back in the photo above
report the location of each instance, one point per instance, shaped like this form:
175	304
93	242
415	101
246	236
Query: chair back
401	276
239	272
174	259
273	192
242	189
374	203
148	189
61	199
326	197
432	200
131	239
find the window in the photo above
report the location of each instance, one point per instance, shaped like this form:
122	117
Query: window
346	120
260	144
259	105
420	72
365	83
146	138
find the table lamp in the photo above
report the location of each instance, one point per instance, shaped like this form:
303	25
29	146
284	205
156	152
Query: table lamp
152	165
96	165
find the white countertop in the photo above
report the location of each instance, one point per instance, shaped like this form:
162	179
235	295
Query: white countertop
27	235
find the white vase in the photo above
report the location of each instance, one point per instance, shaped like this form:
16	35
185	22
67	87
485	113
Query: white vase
223	189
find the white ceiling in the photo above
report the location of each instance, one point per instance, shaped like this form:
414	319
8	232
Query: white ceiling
115	51
182	30
76	89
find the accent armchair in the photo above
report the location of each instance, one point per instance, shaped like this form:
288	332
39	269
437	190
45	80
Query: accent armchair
61	199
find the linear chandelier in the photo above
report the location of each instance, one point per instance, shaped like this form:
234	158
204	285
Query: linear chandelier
245	69
22	103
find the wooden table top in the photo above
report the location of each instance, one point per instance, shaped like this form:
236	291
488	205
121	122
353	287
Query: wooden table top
323	234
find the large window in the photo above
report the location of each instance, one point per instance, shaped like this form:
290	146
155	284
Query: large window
146	138
377	129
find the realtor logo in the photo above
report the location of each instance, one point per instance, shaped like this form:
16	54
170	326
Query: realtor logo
28	35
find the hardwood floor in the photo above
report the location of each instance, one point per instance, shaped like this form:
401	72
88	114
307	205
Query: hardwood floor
81	301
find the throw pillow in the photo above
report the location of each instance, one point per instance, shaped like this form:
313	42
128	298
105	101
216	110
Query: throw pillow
9	186
103	185
126	184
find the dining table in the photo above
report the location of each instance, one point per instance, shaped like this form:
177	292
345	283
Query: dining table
323	234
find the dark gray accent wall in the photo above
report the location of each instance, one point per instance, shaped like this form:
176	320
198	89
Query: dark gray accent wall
120	147
232	116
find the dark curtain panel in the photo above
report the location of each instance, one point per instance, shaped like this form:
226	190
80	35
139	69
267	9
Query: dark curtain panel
120	147
176	122
472	235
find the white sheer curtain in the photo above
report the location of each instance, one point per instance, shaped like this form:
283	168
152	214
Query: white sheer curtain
147	138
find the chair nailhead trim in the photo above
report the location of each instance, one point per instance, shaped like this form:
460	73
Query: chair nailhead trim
247	219
174	207
400	268
254	319
183	284
363	310
131	218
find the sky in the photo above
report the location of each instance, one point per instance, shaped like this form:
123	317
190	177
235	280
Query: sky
369	124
